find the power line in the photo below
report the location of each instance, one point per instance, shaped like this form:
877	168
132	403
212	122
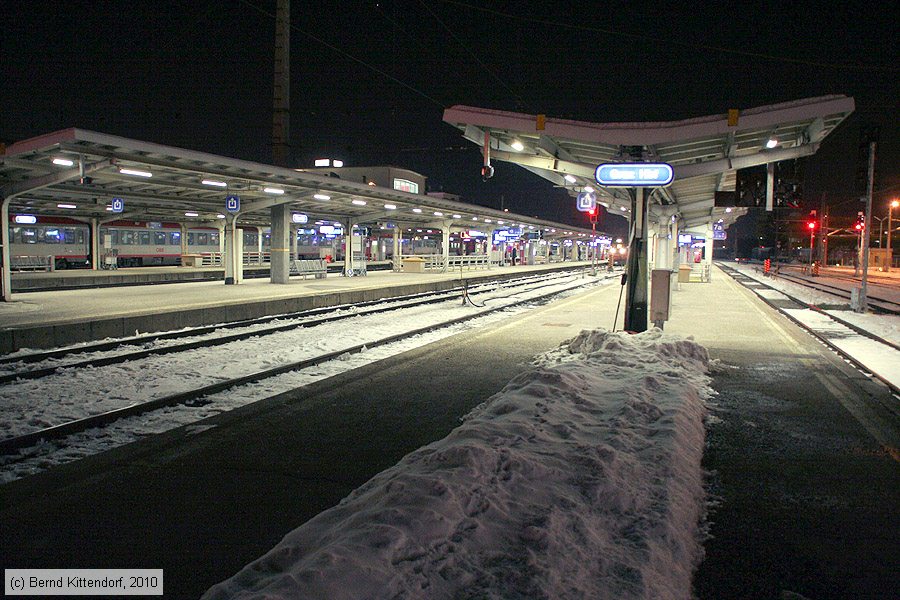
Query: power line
655	41
348	56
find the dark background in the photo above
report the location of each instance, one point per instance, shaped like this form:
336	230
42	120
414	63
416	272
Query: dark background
370	80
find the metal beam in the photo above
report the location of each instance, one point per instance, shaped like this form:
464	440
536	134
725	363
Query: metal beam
741	162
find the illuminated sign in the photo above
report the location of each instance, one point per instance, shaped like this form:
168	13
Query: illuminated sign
719	231
299	218
25	219
685	238
326	229
586	201
634	174
118	205
233	204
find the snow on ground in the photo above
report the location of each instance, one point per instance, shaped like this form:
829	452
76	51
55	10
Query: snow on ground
884	326
32	398
580	479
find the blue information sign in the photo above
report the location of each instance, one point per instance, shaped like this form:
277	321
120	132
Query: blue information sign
233	204
634	174
586	201
118	205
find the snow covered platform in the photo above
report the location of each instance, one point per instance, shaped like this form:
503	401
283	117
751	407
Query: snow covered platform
66	316
799	454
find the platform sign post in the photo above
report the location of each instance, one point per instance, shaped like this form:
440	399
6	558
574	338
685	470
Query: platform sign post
117	205
233	204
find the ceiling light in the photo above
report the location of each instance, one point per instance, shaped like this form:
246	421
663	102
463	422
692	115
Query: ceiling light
63	162
771	143
417	210
570	178
135	172
191	214
337	163
358	202
275	191
500	222
220	216
214	183
588	189
321	196
438	214
391	206
488	221
474	218
457	216
322	162
66	206
517	146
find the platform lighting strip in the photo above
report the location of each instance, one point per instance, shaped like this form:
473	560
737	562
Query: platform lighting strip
438	214
417	210
275	191
191	214
569	178
321	196
63	162
66	206
136	172
358	202
214	183
391	206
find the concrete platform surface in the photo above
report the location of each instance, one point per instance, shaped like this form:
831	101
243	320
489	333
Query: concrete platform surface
799	449
47	319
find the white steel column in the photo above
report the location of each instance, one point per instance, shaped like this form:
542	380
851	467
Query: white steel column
95	244
184	238
445	231
395	258
234	250
348	246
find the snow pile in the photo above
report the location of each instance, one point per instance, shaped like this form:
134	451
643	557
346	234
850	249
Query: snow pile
580	479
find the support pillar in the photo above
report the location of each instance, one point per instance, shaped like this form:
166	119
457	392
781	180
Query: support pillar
395	257
5	245
184	238
636	293
708	248
234	250
279	244
294	255
770	187
95	244
445	231
348	246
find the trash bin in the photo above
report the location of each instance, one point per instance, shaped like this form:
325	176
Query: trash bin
684	273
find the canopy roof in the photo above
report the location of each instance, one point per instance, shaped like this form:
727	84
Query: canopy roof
705	152
36	184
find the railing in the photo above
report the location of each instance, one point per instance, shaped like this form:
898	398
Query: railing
32	263
700	272
435	262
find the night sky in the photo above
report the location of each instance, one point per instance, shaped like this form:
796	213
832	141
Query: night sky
370	80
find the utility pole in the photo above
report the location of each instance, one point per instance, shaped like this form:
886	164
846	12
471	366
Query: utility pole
865	232
282	88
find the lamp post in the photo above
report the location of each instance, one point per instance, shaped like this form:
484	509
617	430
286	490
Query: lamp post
890	257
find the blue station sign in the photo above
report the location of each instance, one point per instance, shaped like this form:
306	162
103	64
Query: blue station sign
634	174
117	205
586	201
233	204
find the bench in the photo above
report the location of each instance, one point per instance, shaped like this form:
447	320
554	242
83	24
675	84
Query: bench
310	266
31	263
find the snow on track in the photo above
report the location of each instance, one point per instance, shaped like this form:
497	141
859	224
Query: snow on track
581	479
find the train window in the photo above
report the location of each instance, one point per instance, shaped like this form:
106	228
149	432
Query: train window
79	236
113	236
202	239
143	238
48	235
159	238
29	235
175	238
190	238
214	238
126	237
69	234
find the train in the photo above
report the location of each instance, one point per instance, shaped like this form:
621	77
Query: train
134	243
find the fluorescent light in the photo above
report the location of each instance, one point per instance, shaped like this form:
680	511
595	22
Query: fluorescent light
214	183
358	202
220	216
276	191
570	178
66	206
588	189
474	218
321	196
25	219
728	210
499	222
771	143
417	210
391	206
135	172
63	162
487	220
457	216
322	162
191	214
337	163
517	146
438	214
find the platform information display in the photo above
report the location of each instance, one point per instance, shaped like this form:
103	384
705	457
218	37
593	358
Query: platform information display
634	174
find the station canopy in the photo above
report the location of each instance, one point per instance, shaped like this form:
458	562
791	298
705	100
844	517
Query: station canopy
77	173
705	152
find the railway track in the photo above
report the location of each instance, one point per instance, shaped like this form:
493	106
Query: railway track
878	361
202	387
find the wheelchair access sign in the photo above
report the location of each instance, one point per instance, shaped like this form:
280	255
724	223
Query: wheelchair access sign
233	204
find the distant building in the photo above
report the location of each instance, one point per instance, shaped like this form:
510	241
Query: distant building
389	176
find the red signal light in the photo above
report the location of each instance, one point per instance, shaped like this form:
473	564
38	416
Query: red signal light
811	224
